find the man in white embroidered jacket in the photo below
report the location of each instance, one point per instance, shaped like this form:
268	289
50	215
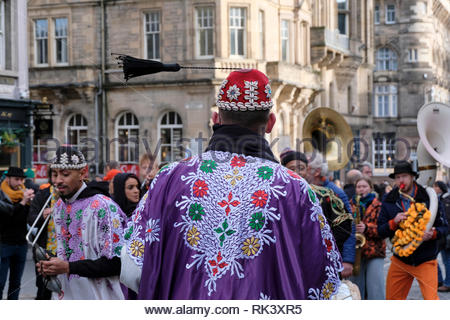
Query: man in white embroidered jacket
89	234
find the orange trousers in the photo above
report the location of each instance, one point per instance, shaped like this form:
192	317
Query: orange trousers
401	275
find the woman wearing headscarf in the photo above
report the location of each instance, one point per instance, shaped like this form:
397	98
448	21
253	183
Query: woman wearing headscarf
126	192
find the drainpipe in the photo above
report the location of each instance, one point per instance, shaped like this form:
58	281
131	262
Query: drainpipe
98	153
103	113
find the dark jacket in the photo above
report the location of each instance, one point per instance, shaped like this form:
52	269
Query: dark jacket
348	250
13	221
350	190
391	206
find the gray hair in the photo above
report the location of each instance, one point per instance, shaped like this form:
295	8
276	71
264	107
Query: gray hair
352	176
316	161
365	164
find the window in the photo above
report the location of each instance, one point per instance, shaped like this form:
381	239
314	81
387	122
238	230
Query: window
61	40
77	132
205	32
285	40
412	55
40	150
152	35
390	14
127	134
343	13
171	132
385	101
383	148
41	41
237	31
377	15
2	35
386	60
261	24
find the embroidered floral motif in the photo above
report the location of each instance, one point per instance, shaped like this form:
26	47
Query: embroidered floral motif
101	213
233	93
193	236
238	161
251	246
137	248
224	231
200	188
196	211
265	172
293	174
95	204
79	214
327	290
75	159
235	177
217	264
259	198
152	231
208	166
230	202
116	223
257	221
128	233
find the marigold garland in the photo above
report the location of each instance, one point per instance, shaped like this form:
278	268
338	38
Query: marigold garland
410	233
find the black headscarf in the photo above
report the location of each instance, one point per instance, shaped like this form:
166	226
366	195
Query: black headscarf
119	192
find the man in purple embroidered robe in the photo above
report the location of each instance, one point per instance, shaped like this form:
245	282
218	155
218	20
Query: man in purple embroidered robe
231	223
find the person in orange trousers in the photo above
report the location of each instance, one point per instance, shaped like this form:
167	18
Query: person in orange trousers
422	263
401	275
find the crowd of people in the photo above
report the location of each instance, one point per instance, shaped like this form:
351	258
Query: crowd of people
231	223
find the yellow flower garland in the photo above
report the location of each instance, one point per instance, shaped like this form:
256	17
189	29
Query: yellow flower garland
410	233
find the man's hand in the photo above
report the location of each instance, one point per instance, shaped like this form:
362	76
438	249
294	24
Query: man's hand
360	227
399	217
47	212
53	267
348	270
28	195
428	234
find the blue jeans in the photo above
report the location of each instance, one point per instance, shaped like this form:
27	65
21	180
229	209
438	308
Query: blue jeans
446	259
13	258
370	280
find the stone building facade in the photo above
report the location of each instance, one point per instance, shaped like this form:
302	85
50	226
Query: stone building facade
15	106
316	53
412	40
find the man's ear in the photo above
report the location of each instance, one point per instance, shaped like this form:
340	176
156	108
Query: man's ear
215	118
271	122
84	172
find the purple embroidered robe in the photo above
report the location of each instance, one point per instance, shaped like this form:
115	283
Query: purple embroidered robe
89	228
228	226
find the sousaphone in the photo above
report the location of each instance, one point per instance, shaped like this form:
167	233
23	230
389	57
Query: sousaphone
327	131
